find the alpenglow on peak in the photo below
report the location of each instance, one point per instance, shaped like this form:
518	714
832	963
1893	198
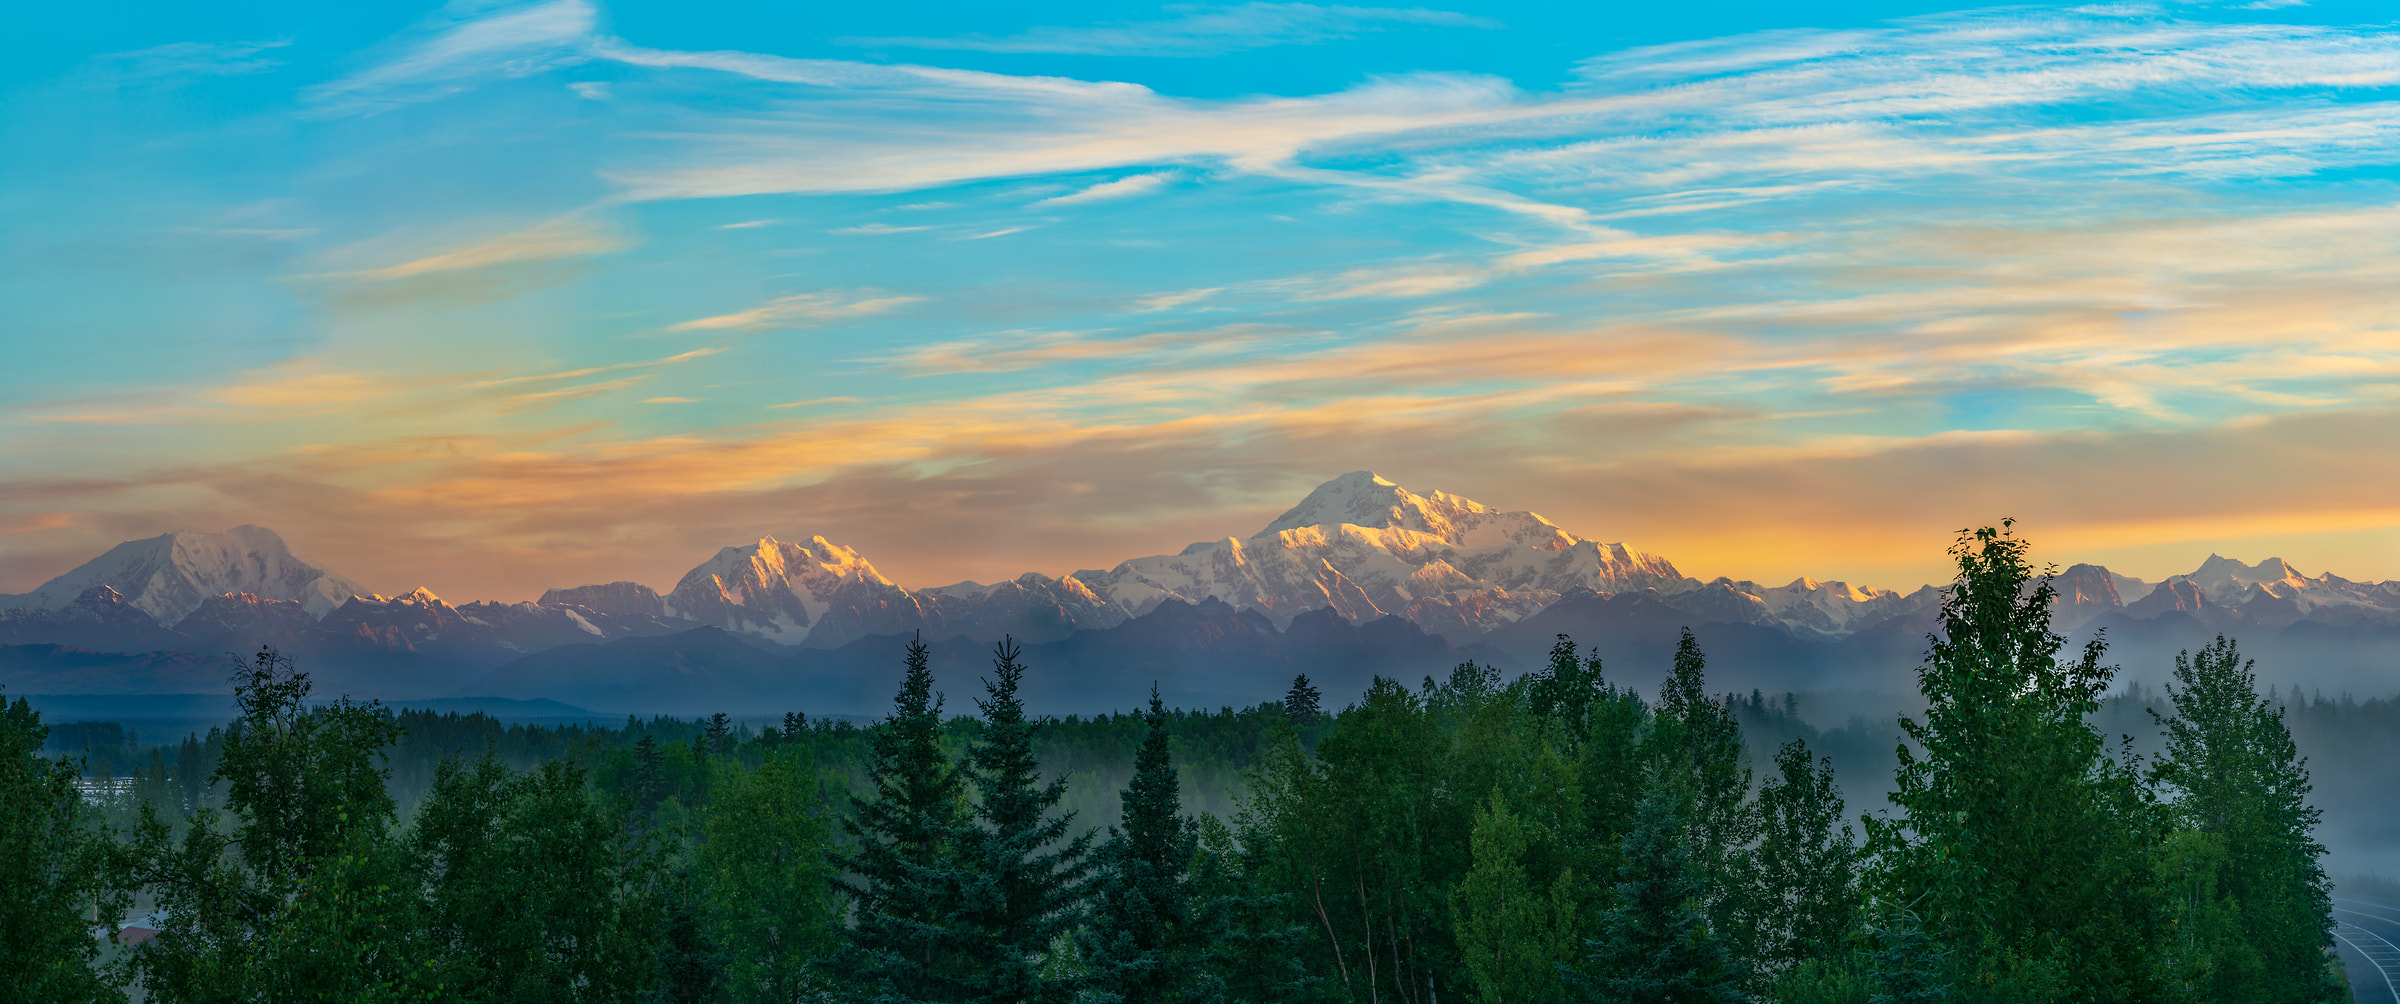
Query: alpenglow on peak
1361	498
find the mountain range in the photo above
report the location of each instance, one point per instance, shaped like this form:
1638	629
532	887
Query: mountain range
1360	576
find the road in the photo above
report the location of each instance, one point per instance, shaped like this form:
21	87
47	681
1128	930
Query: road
2367	930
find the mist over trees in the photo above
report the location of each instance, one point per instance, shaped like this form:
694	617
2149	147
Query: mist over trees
1555	837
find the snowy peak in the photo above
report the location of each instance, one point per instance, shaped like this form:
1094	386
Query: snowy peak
169	576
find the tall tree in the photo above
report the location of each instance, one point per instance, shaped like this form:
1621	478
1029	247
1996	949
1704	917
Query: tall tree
902	876
55	864
764	871
1025	875
1367	842
1145	940
1516	932
1254	952
1654	944
1802	875
301	896
2025	848
534	889
1696	746
1300	703
2240	790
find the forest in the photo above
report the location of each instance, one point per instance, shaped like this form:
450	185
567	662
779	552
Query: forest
1553	837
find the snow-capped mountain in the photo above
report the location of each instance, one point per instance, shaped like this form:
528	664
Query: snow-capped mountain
170	575
1368	548
1359	545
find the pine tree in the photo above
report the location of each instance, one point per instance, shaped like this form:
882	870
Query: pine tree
718	735
1300	704
1025	882
1655	945
907	940
2241	791
1144	940
793	723
649	780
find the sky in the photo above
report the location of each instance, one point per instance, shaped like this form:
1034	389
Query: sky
493	297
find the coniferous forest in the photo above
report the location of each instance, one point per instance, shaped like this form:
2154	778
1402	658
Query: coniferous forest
1554	837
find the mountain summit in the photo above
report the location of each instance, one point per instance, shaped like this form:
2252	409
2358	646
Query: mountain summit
170	575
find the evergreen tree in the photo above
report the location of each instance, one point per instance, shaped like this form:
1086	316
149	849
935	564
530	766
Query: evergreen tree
1252	954
649	780
908	933
2024	847
1300	704
1802	897
691	970
793	723
1655	945
1906	967
1143	937
55	864
2240	791
717	737
1025	876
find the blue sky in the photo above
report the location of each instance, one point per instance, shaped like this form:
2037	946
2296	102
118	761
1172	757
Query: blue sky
497	296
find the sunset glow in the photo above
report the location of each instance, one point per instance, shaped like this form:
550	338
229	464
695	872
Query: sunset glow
495	297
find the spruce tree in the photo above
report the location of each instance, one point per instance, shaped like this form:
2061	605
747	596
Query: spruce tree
903	875
2240	790
1024	883
1143	936
1655	945
1300	704
1254	953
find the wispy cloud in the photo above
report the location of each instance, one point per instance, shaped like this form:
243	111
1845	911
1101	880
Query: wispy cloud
875	229
801	309
1125	187
461	48
180	62
568	237
1201	31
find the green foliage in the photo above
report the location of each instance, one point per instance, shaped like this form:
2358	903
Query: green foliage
1695	746
1800	900
1654	945
1254	954
1301	703
902	875
763	866
534	889
1514	935
2251	905
293	899
1145	941
2024	847
1024	887
55	864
